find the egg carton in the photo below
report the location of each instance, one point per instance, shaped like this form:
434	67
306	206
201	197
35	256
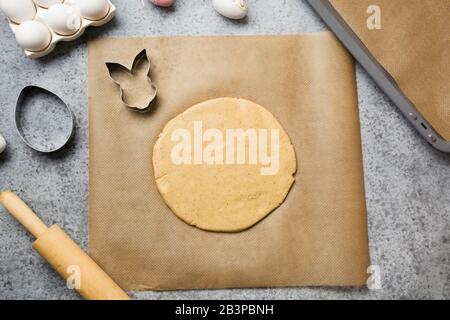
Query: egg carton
56	37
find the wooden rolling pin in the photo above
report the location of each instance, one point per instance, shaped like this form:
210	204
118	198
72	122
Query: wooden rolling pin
63	254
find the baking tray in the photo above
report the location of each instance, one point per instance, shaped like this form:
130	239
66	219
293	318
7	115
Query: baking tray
351	41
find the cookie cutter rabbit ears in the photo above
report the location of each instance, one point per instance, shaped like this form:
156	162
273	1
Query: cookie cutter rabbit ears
140	68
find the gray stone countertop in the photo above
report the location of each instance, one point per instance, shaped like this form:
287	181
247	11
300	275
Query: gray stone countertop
407	182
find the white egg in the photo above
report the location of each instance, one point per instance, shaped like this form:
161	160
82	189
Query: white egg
63	19
93	9
2	144
47	3
232	9
18	11
33	35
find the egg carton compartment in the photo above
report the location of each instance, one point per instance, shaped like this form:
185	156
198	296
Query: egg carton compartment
40	24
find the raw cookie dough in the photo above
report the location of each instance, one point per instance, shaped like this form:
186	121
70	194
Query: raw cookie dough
210	187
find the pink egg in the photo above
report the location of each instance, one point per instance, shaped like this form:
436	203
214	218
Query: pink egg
163	3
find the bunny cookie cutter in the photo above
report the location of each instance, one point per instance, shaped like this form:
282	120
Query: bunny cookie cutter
139	69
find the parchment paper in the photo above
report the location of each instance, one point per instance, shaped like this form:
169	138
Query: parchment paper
319	234
414	48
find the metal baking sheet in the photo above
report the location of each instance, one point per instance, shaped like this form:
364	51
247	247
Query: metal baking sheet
350	40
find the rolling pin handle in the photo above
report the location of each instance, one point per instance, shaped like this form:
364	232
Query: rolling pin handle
61	252
22	213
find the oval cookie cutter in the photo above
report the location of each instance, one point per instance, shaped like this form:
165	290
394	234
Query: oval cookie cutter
69	131
140	58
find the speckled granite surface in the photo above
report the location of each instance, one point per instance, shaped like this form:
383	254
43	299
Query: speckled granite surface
407	182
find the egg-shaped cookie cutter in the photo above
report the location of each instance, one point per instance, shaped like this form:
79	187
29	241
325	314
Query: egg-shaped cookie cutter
140	57
17	117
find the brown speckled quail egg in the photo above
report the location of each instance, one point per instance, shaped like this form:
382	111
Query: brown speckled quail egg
33	35
63	19
47	3
93	9
18	11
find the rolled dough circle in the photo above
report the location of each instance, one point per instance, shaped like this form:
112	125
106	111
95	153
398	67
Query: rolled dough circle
227	195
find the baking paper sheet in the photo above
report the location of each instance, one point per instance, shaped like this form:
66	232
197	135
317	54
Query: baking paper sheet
413	45
318	236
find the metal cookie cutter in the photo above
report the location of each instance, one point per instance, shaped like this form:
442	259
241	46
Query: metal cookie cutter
121	75
41	139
